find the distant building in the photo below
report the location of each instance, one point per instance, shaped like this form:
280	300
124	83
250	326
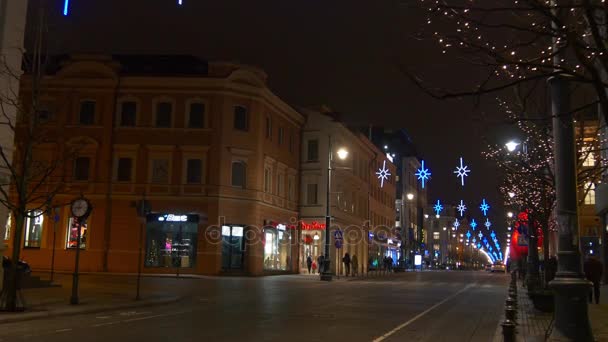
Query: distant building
12	31
214	152
441	237
361	205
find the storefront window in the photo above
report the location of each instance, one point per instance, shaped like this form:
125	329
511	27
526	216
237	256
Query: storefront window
7	228
171	240
33	229
232	247
277	248
311	245
72	234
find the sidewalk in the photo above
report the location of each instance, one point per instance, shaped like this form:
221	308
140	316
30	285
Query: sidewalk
54	301
534	325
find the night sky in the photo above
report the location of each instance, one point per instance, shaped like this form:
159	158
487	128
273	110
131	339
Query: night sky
345	54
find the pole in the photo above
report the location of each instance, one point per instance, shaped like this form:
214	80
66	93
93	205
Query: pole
74	298
533	274
54	247
326	275
141	237
570	287
604	228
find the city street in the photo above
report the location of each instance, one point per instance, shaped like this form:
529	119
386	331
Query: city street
421	306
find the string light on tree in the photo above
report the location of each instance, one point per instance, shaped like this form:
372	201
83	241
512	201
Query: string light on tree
462	171
461	208
423	174
383	174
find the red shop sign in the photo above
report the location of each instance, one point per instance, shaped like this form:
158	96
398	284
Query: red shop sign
312	226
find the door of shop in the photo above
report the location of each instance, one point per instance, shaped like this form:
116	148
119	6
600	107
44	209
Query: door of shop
233	247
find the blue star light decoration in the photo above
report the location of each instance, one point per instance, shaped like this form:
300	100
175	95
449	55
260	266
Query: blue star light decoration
438	207
462	171
456	224
493	235
473	224
383	174
480	235
423	174
461	208
488	224
468	235
484	207
478	245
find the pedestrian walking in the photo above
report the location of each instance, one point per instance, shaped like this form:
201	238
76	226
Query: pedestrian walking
314	267
390	263
308	263
593	273
346	261
355	265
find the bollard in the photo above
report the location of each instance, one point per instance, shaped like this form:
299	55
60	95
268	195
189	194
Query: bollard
511	302
512	293
508	331
511	314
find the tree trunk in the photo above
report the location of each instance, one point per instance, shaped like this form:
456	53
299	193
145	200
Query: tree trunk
9	298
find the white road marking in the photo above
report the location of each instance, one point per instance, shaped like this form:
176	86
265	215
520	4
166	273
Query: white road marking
63	330
415	318
103	324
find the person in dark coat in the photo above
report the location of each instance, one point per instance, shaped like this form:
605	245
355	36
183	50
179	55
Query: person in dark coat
593	273
346	261
321	262
308	263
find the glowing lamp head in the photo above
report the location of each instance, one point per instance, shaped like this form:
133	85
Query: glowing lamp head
510	214
410	196
426	215
511	146
342	153
437	216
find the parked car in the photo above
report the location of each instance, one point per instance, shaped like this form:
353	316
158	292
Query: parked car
488	267
498	267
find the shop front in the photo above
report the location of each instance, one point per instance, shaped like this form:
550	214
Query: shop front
312	242
277	246
233	247
171	240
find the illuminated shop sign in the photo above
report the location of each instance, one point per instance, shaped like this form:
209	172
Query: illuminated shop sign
172	218
314	225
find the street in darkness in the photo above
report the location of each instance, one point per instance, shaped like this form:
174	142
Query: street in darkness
412	306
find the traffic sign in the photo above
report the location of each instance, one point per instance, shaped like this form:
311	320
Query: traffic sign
338	235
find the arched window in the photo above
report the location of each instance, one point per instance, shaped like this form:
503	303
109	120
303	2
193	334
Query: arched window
239	174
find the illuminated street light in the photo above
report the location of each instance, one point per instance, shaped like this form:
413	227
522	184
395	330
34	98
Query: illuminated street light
510	214
426	215
342	153
511	146
437	216
410	196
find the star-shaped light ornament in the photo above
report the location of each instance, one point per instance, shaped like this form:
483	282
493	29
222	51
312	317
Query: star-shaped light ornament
488	224
462	171
383	174
423	174
468	235
438	207
456	224
461	208
480	235
484	207
473	224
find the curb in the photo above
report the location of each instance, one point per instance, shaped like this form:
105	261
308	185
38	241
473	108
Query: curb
71	311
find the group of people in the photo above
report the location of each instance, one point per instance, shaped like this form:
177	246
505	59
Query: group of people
350	264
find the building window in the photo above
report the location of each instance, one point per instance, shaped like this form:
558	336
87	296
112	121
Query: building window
124	169
280	185
281	135
268	128
33	229
589	157
87	113
239	174
163	114
194	171
171	243
291	188
241	118
313	150
7	227
277	248
311	194
267	179
81	168
435	235
72	234
590	193
196	117
128	114
160	171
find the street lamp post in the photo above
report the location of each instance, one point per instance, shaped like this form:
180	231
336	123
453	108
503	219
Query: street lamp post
570	288
342	154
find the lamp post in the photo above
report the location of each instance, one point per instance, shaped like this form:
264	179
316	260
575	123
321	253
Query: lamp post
342	154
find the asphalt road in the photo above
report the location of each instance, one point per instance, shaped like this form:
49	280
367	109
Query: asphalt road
427	306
